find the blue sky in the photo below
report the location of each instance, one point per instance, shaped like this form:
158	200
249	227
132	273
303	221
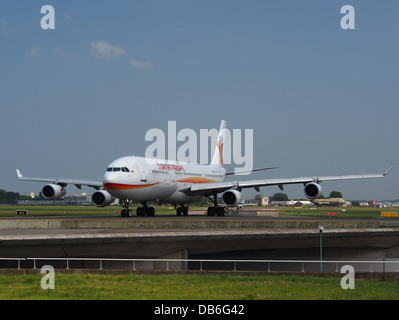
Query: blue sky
321	100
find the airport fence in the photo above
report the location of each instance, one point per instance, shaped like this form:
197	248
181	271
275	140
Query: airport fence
303	266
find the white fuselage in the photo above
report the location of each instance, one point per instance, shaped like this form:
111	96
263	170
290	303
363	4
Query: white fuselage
148	179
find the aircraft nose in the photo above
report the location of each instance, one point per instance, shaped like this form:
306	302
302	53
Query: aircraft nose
109	182
108	177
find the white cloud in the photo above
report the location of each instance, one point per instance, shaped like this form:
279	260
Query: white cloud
4	28
4	23
104	50
140	64
34	52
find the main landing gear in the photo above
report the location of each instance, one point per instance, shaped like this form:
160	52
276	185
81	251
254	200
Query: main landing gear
143	211
218	211
215	210
181	210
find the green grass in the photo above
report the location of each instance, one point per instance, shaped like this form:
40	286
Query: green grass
48	211
38	211
191	287
349	212
70	211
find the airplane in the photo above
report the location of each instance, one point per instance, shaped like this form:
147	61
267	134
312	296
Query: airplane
139	179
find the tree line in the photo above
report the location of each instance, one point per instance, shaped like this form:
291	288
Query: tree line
284	197
8	197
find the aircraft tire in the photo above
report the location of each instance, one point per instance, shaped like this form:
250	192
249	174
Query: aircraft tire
211	211
126	213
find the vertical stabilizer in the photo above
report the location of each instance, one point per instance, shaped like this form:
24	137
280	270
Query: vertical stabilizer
217	158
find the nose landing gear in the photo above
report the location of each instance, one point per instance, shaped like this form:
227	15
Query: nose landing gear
126	212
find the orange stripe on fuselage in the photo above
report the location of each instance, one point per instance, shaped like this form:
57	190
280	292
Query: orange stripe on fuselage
119	186
196	180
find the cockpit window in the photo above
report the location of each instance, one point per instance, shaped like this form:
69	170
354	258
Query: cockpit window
114	169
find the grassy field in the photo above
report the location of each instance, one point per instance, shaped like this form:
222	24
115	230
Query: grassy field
349	212
191	287
47	211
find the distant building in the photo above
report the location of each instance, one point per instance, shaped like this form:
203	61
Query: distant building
373	203
303	203
68	199
77	199
264	201
261	200
278	203
333	202
364	204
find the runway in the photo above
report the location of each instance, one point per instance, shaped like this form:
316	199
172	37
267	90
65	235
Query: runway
238	218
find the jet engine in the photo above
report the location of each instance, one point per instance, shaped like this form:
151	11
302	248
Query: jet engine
312	190
231	198
53	192
102	198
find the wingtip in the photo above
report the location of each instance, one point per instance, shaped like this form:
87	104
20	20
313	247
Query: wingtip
389	170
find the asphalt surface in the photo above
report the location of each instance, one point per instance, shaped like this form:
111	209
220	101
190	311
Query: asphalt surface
236	215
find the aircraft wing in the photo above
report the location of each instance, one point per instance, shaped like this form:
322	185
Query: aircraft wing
210	188
63	182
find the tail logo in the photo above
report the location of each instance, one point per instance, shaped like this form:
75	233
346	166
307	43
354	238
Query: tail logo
220	145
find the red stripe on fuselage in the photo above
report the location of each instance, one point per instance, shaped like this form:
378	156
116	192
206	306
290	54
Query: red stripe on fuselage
119	186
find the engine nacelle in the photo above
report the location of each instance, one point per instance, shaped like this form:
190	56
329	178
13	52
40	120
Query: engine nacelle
312	190
231	198
102	198
53	192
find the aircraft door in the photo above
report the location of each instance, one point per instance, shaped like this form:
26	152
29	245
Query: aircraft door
143	173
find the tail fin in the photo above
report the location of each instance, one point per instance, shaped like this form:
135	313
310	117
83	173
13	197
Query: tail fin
218	153
19	174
